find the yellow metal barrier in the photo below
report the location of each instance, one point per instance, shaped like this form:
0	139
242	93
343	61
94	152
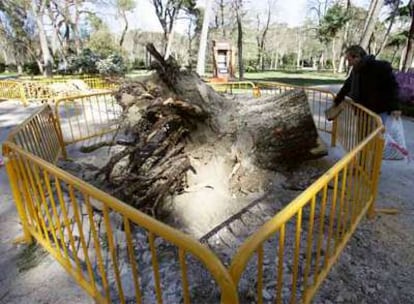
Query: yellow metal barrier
10	89
86	116
95	236
235	87
47	89
39	135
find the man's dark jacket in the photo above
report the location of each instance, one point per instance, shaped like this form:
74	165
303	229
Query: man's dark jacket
373	85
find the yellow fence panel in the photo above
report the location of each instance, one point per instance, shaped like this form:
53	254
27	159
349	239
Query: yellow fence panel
39	135
236	87
10	89
99	83
86	116
48	89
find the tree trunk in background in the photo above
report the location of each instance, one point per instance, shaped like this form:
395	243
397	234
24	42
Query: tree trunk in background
387	34
403	54
169	43
124	31
409	55
341	67
344	42
261	37
333	56
240	45
276	61
394	55
299	52
372	17
44	45
40	65
322	61
75	29
201	58
5	57
222	6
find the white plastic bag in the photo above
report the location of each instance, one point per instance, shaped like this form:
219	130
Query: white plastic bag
394	146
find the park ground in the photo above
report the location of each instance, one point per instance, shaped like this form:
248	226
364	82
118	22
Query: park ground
377	265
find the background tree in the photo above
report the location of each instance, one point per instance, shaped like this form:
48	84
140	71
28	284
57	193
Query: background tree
332	22
38	8
201	58
167	12
394	7
238	9
409	55
372	17
263	19
123	7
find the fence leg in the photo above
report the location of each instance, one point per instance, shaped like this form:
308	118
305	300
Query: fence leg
23	95
56	123
10	165
377	171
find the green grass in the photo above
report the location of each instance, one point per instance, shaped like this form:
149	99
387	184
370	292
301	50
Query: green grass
5	75
300	78
294	77
137	73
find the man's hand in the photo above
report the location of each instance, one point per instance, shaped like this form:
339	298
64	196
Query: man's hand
396	114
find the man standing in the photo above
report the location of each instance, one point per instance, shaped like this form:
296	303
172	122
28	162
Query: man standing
371	83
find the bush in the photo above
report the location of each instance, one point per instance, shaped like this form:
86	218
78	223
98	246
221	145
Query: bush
11	68
406	85
2	67
138	64
112	65
250	69
85	62
31	68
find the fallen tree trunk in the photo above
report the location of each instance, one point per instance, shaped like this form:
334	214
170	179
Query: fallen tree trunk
186	138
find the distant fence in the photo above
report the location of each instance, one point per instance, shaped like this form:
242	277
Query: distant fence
47	89
10	89
236	87
111	248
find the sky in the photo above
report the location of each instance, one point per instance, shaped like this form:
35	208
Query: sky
293	12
